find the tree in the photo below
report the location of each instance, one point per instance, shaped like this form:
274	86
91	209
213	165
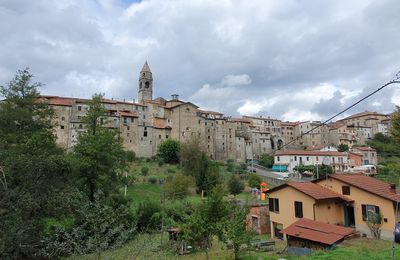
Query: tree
169	150
196	163
234	232
254	180
34	170
266	160
323	169
99	153
374	222
206	221
343	148
179	186
395	125
235	185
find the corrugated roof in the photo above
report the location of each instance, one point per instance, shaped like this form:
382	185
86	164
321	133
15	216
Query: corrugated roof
316	231
369	184
316	153
313	190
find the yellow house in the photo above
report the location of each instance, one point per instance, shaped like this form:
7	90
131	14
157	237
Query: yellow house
368	195
295	200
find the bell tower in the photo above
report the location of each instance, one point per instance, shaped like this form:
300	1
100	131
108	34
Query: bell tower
145	84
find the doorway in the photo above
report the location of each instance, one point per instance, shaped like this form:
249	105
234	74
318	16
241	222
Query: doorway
349	220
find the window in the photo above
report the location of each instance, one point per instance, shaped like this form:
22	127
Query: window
346	190
295	158
61	126
127	134
144	116
159	136
145	133
369	211
298	209
79	108
166	136
125	120
308	158
278	158
273	205
80	126
128	128
63	118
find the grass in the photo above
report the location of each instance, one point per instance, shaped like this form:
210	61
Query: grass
147	246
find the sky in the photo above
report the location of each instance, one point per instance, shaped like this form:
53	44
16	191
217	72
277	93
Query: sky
289	59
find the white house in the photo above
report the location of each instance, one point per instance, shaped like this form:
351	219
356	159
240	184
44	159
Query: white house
288	160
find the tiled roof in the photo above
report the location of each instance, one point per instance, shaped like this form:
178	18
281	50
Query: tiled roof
368	184
57	101
365	113
209	112
289	123
308	229
313	190
363	148
316	153
128	114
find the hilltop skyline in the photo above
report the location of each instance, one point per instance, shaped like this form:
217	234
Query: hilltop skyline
290	60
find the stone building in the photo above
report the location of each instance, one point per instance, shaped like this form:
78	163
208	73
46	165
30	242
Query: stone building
144	124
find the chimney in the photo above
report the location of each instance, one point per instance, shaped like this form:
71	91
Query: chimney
393	188
175	96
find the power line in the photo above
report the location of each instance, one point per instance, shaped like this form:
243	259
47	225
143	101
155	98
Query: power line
395	79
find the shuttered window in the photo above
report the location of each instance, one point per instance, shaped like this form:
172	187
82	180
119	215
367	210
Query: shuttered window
273	205
368	210
298	209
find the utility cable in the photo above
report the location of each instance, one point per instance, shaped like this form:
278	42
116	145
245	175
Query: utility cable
395	79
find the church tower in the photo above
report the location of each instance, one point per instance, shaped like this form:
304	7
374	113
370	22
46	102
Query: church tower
145	84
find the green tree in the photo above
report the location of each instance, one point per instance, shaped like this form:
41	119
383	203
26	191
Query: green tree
343	148
266	160
179	186
34	172
234	231
99	153
169	150
235	185
254	181
395	125
206	221
196	163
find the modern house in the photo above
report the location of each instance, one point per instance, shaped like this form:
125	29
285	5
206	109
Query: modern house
368	195
341	199
295	200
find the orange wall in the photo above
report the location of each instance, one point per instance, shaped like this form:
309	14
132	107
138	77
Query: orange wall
287	196
329	212
386	207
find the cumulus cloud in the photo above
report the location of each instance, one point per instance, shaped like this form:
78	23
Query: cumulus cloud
287	59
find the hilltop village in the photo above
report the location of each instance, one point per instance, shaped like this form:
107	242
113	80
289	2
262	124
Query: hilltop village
145	123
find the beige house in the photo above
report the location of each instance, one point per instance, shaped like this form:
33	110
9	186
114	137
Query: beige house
341	199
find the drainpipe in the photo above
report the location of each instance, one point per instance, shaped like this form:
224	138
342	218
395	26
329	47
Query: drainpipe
314	210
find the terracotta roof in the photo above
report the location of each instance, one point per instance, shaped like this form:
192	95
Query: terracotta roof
209	112
243	120
365	113
316	153
160	123
317	147
57	101
289	123
308	229
364	148
313	190
368	184
128	114
261	118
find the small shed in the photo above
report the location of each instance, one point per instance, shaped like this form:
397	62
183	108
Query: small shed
307	233
257	219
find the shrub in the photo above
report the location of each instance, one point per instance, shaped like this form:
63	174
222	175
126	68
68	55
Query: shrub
152	179
145	170
130	156
170	170
169	150
254	180
266	160
230	167
148	216
179	186
235	185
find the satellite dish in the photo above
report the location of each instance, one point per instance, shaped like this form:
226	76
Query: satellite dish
326	160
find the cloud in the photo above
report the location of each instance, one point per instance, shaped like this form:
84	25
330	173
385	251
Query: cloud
286	59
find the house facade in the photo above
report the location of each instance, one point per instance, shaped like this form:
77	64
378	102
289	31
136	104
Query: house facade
292	158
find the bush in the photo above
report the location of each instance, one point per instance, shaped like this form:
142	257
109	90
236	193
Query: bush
179	186
170	170
235	185
152	179
148	216
130	156
254	180
169	150
266	160
98	227
160	162
145	170
230	167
